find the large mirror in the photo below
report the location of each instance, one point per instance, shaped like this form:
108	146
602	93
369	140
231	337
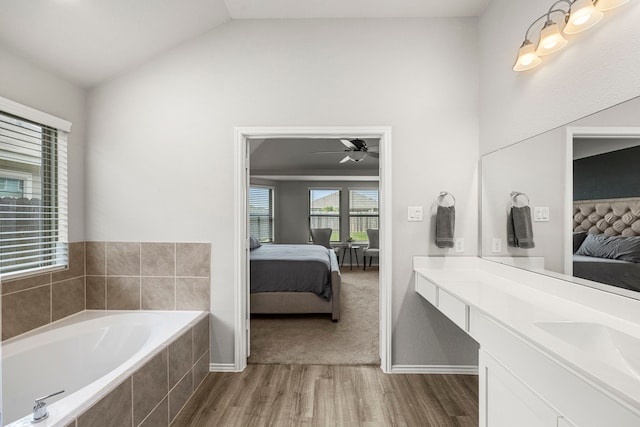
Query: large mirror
567	202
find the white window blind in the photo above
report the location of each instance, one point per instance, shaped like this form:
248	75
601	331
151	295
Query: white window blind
33	194
363	213
261	213
324	211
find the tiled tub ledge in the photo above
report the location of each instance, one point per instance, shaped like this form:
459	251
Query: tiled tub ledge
147	384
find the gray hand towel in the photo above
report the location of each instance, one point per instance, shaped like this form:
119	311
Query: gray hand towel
522	228
445	226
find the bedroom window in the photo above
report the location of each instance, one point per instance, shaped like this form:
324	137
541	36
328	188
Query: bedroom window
33	193
324	211
363	212
261	213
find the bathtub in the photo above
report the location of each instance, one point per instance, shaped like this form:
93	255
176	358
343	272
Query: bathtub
87	354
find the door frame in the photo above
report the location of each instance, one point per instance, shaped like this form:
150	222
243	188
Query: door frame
241	240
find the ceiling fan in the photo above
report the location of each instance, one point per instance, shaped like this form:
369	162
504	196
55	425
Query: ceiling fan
357	150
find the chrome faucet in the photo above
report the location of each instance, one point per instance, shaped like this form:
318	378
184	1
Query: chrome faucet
40	408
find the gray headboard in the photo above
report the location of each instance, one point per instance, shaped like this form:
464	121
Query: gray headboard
613	217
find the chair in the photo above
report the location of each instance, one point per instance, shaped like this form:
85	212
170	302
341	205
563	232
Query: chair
373	250
322	237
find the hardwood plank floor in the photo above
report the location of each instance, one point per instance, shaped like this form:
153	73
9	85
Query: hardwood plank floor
328	395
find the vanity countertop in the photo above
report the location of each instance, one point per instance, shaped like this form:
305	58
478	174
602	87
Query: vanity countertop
576	331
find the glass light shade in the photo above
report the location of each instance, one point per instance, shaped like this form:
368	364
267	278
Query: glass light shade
551	39
603	5
582	16
357	156
527	58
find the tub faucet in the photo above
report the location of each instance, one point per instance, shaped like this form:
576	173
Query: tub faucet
40	408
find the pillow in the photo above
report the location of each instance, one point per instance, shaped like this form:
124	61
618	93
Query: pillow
578	238
254	243
613	247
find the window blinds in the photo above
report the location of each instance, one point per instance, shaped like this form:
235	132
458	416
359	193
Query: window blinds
33	196
261	213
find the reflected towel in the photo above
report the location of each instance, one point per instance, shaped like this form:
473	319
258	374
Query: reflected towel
519	228
445	226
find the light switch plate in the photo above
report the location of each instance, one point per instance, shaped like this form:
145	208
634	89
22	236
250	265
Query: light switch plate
459	246
541	214
496	245
415	213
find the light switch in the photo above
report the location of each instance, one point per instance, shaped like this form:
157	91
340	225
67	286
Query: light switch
541	213
496	245
415	213
459	246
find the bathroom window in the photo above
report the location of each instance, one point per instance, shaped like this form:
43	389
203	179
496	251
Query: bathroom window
363	212
33	191
324	211
261	213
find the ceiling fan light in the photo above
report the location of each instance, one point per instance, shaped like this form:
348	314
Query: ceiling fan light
603	5
582	16
551	39
527	57
357	156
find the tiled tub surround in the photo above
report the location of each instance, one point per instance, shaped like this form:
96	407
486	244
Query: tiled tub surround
149	389
113	276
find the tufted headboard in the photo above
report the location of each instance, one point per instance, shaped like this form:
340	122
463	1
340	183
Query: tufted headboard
613	217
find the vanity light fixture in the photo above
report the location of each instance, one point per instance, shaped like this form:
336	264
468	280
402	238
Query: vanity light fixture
576	16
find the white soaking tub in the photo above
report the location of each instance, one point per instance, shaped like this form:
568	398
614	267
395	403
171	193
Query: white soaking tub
86	354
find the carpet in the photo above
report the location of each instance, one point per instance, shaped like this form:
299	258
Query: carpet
315	339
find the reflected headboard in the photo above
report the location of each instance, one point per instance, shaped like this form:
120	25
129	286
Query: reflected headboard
613	217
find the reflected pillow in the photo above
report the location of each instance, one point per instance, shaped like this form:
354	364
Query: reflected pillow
254	243
578	238
613	247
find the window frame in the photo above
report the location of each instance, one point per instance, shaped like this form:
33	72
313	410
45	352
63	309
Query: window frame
338	215
349	215
272	206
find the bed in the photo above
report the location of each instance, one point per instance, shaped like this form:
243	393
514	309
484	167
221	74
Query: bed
294	279
606	241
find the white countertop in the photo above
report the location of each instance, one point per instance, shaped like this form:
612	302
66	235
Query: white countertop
495	291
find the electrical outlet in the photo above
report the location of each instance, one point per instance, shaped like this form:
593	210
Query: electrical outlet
459	246
496	245
415	213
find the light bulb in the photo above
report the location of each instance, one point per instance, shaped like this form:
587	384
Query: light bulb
527	57
582	16
551	39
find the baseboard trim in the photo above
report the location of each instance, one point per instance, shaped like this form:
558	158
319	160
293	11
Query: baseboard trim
435	369
222	367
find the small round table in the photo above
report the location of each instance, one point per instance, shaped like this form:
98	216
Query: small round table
353	252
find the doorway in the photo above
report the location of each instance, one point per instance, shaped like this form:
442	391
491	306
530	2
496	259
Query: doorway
241	244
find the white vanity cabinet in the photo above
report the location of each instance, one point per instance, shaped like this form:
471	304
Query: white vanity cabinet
523	381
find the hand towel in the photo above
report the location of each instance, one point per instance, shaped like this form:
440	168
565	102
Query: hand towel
445	226
522	228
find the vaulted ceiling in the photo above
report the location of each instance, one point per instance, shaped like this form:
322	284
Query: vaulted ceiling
89	41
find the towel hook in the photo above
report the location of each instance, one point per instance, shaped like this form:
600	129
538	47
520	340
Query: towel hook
515	195
443	195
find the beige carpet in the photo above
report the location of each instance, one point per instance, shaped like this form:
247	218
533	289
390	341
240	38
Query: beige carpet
316	340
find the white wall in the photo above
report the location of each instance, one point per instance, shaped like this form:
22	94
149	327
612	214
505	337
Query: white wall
160	151
23	82
597	69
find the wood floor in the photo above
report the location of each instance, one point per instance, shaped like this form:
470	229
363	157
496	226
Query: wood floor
317	395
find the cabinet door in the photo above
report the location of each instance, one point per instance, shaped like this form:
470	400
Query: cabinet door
506	402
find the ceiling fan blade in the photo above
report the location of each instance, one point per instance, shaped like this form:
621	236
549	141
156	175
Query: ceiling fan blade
328	152
346	159
348	144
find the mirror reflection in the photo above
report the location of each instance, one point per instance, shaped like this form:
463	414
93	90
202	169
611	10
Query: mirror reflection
577	201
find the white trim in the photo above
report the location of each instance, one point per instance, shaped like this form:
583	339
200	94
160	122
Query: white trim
17	109
241	134
222	367
435	369
317	178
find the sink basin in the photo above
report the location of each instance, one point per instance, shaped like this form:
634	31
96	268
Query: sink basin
615	348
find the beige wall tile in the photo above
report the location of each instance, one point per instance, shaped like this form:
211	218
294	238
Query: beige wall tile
76	263
200	338
25	310
193	259
67	298
123	259
96	288
180	357
180	395
158	259
192	293
158	293
123	293
200	370
159	417
96	258
26	283
150	386
114	409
